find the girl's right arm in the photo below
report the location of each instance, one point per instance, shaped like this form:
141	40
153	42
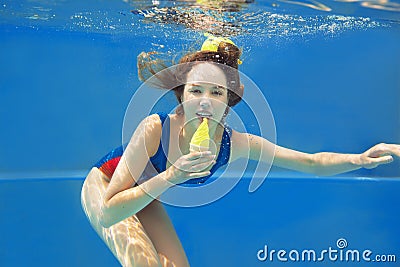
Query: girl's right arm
121	200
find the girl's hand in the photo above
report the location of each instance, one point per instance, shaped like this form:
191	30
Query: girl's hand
190	166
379	154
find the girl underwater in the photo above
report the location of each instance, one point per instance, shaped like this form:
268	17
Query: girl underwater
120	193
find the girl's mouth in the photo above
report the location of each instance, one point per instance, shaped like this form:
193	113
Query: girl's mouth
202	115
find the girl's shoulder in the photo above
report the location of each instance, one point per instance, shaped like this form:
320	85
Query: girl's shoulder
238	141
152	123
236	136
149	130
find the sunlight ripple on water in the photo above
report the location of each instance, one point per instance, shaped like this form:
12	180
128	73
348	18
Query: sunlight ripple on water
259	24
184	20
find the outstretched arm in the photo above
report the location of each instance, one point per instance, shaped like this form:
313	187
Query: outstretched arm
321	164
326	163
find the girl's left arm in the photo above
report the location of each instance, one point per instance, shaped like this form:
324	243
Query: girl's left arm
321	164
326	163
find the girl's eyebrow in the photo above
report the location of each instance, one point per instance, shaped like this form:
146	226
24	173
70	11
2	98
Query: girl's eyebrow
216	86
220	87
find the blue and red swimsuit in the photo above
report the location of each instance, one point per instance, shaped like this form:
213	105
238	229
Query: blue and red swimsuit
158	162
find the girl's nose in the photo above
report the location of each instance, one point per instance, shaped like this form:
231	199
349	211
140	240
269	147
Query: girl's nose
205	102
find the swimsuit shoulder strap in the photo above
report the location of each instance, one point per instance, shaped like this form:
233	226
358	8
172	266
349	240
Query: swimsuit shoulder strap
159	160
162	116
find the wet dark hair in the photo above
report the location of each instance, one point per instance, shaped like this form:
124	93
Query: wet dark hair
227	58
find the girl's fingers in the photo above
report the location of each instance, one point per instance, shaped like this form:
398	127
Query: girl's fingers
385	159
202	160
195	165
375	162
201	166
197	155
194	175
384	150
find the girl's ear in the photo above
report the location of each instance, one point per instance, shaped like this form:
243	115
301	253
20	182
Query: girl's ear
179	110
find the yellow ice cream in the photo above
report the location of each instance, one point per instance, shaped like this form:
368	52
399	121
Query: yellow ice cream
201	138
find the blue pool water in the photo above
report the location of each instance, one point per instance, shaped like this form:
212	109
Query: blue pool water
331	78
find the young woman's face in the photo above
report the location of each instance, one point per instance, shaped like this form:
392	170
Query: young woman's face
205	94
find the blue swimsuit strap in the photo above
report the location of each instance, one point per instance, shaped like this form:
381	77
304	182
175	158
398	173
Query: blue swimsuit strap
159	160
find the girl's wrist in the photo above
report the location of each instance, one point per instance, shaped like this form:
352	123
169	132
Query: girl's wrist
171	177
357	160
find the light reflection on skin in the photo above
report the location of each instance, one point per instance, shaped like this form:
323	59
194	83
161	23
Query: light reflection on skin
127	239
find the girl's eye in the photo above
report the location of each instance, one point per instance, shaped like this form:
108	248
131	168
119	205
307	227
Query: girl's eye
196	91
217	93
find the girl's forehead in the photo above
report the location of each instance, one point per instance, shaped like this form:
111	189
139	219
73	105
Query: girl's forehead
206	73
